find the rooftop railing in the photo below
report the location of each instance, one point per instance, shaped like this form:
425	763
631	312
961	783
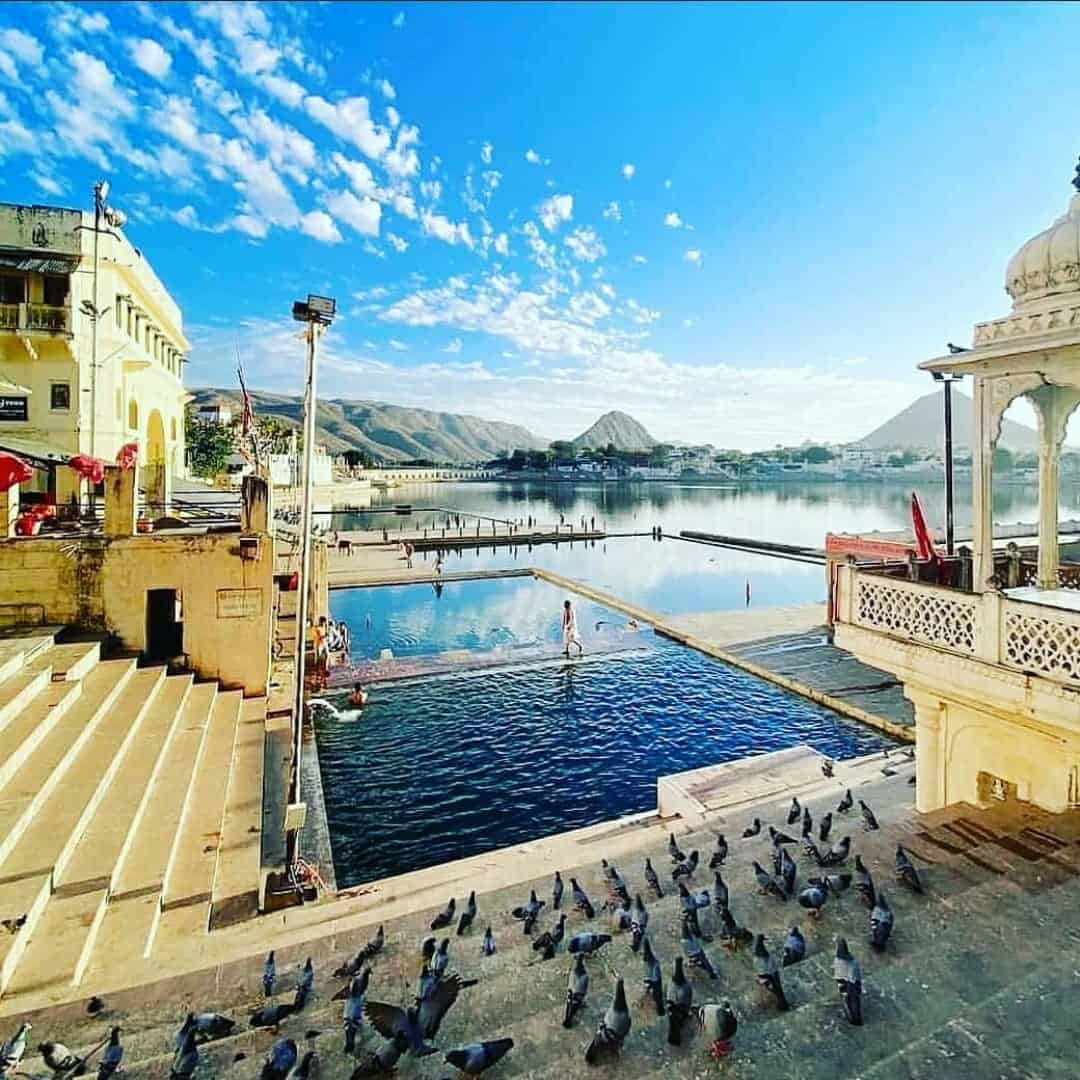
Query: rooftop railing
36	318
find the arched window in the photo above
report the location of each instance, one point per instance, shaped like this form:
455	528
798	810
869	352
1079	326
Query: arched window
133	414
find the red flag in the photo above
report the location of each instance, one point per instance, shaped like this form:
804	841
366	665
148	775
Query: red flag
127	455
91	467
13	470
924	542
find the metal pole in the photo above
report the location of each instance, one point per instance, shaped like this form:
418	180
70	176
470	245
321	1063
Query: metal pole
93	339
305	545
948	469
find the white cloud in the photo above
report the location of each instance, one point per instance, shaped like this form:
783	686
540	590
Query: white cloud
641	314
672	220
320	225
543	253
393	117
398	21
286	90
585	245
487	151
628	170
45	182
25	48
399	346
588	308
288	150
688	323
149	57
608	290
248	223
362	214
225	101
532	157
442	228
640	260
359	173
14	135
68	19
455	346
404	204
694	255
431	190
350	119
386	88
399	244
403	161
613	212
203	51
502	244
555	210
187	216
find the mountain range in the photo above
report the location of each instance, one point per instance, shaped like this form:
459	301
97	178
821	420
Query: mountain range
615	428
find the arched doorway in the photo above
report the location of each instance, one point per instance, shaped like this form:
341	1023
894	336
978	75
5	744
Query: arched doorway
155	469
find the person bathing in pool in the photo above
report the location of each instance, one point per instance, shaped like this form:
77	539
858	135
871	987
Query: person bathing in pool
358	697
570	634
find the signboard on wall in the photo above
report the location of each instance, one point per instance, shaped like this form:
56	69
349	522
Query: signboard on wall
40	228
14	408
239	603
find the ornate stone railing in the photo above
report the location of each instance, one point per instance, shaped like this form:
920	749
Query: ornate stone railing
1041	640
912	610
1068	575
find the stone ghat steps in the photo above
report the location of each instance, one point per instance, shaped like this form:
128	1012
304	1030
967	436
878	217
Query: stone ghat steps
951	950
105	803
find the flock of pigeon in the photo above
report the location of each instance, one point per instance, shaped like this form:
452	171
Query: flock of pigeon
411	1028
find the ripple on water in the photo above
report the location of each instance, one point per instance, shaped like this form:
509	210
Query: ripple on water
440	770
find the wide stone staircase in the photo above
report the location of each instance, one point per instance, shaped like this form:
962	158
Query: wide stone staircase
979	980
129	798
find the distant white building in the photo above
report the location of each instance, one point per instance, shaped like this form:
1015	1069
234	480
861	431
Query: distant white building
287	471
214	414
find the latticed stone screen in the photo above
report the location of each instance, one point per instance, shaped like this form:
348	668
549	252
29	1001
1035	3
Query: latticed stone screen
1048	647
933	616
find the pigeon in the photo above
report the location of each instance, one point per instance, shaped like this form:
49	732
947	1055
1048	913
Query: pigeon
695	950
309	1068
113	1055
366	954
685	869
768	973
556	892
906	873
269	974
11	1053
446	916
719	856
787	872
427	953
529	912
576	988
720	892
807	822
869	821
846	803
813	897
474	1058
718	1024
654	984
616	885
837	884
752	829
621	916
468	915
827	768
440	962
848	976
95	1005
279	1061
673	849
779	838
353	1016
777	859
185	1060
766	884
207	1026
838	853
794	813
307	980
912	779
731	934
58	1058
581	900
680	996
381	1062
639	922
881	923
652	880
794	947
587	943
549	940
614	1026
825	827
488	946
812	851
271	1016
419	1022
864	883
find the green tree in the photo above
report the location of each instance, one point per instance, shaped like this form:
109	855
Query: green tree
562	449
208	445
818	455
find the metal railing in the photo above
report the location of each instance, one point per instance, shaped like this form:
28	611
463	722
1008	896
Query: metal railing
36	318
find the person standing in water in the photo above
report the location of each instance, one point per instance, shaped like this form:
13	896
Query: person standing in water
570	634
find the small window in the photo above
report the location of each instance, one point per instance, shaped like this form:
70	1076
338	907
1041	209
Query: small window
118	311
60	396
12	289
55	289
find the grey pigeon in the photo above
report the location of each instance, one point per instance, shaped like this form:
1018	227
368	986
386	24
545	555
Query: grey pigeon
837	884
720	892
473	1059
827	768
695	949
556	892
489	943
848	976
269	974
811	850
718	1024
529	912
752	829
807	822
417	1023
613	1028
732	935
270	1016
468	915
906	873
367	953
353	1016
113	1055
838	853
794	813
587	943
673	849
382	1061
186	1059
778	837
581	899
825	827
12	1051
787	872
309	1068
686	869
622	915
794	947
307	980
768	973
548	942
440	962
576	989
652	880
616	885
680	997
881	923
280	1060
864	883
813	897
719	856
870	823
654	984
58	1058
207	1026
766	884
446	916
846	803
639	922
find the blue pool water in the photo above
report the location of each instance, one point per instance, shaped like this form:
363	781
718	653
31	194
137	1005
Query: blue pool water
439	769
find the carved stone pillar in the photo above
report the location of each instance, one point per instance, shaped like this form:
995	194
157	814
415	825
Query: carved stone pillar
1053	404
9	511
982	479
930	743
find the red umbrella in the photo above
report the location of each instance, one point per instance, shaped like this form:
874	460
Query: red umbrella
127	455
924	542
13	470
91	467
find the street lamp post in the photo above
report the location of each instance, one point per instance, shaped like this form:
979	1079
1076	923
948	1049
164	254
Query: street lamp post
948	380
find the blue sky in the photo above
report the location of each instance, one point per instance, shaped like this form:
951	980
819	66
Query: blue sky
742	224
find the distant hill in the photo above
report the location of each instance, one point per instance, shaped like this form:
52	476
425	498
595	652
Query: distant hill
921	426
388	432
615	428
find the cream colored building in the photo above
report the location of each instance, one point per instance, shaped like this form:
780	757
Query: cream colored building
51	405
992	665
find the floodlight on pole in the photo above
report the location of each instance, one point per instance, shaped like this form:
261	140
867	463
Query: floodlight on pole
948	380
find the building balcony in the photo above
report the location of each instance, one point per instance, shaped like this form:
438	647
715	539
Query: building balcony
35	319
